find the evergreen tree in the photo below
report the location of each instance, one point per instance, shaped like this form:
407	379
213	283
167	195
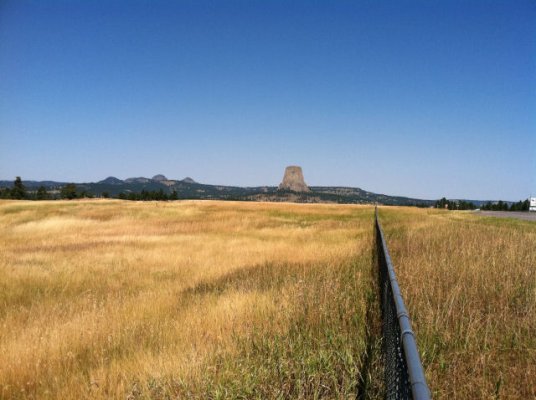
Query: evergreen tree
84	194
520	205
441	203
160	195
68	191
42	193
19	191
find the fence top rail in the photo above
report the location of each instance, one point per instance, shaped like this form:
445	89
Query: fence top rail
419	387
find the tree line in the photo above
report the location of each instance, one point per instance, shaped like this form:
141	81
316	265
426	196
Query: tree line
503	206
70	192
455	204
146	195
19	192
522	205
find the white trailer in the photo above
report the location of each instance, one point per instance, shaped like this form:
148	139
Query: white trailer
532	206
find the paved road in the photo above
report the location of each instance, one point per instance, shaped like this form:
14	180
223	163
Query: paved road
527	216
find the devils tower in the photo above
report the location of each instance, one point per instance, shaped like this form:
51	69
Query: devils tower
293	180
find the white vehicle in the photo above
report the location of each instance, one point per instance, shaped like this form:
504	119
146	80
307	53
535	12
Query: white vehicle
532	206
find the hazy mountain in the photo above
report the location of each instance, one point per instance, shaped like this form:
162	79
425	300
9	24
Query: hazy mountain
111	180
187	188
137	180
159	178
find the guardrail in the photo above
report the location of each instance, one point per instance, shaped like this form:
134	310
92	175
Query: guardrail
404	375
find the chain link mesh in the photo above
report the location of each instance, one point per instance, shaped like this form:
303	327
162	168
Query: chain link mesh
397	385
396	376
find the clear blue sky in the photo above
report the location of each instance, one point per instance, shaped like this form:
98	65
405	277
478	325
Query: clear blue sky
415	98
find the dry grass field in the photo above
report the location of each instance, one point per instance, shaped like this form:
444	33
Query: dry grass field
210	300
470	286
110	299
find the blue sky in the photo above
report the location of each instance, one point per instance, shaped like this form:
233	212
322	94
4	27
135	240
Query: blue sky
417	98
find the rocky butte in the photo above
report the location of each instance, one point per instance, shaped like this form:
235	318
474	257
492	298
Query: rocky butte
293	180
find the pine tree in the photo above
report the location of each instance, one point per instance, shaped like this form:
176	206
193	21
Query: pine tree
68	191
19	191
42	193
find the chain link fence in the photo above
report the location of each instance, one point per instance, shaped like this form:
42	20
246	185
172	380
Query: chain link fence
404	375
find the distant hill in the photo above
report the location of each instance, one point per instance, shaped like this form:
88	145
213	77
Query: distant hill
187	188
137	180
111	180
159	178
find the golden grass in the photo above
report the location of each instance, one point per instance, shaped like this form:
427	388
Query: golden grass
470	287
111	299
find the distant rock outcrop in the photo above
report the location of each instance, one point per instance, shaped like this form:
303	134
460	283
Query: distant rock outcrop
293	180
141	179
111	180
188	180
159	178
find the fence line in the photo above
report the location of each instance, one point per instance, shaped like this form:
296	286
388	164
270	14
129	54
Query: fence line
404	375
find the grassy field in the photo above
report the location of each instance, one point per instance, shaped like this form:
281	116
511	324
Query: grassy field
470	286
110	299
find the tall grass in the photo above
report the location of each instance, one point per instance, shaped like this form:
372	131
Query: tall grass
110	299
470	286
